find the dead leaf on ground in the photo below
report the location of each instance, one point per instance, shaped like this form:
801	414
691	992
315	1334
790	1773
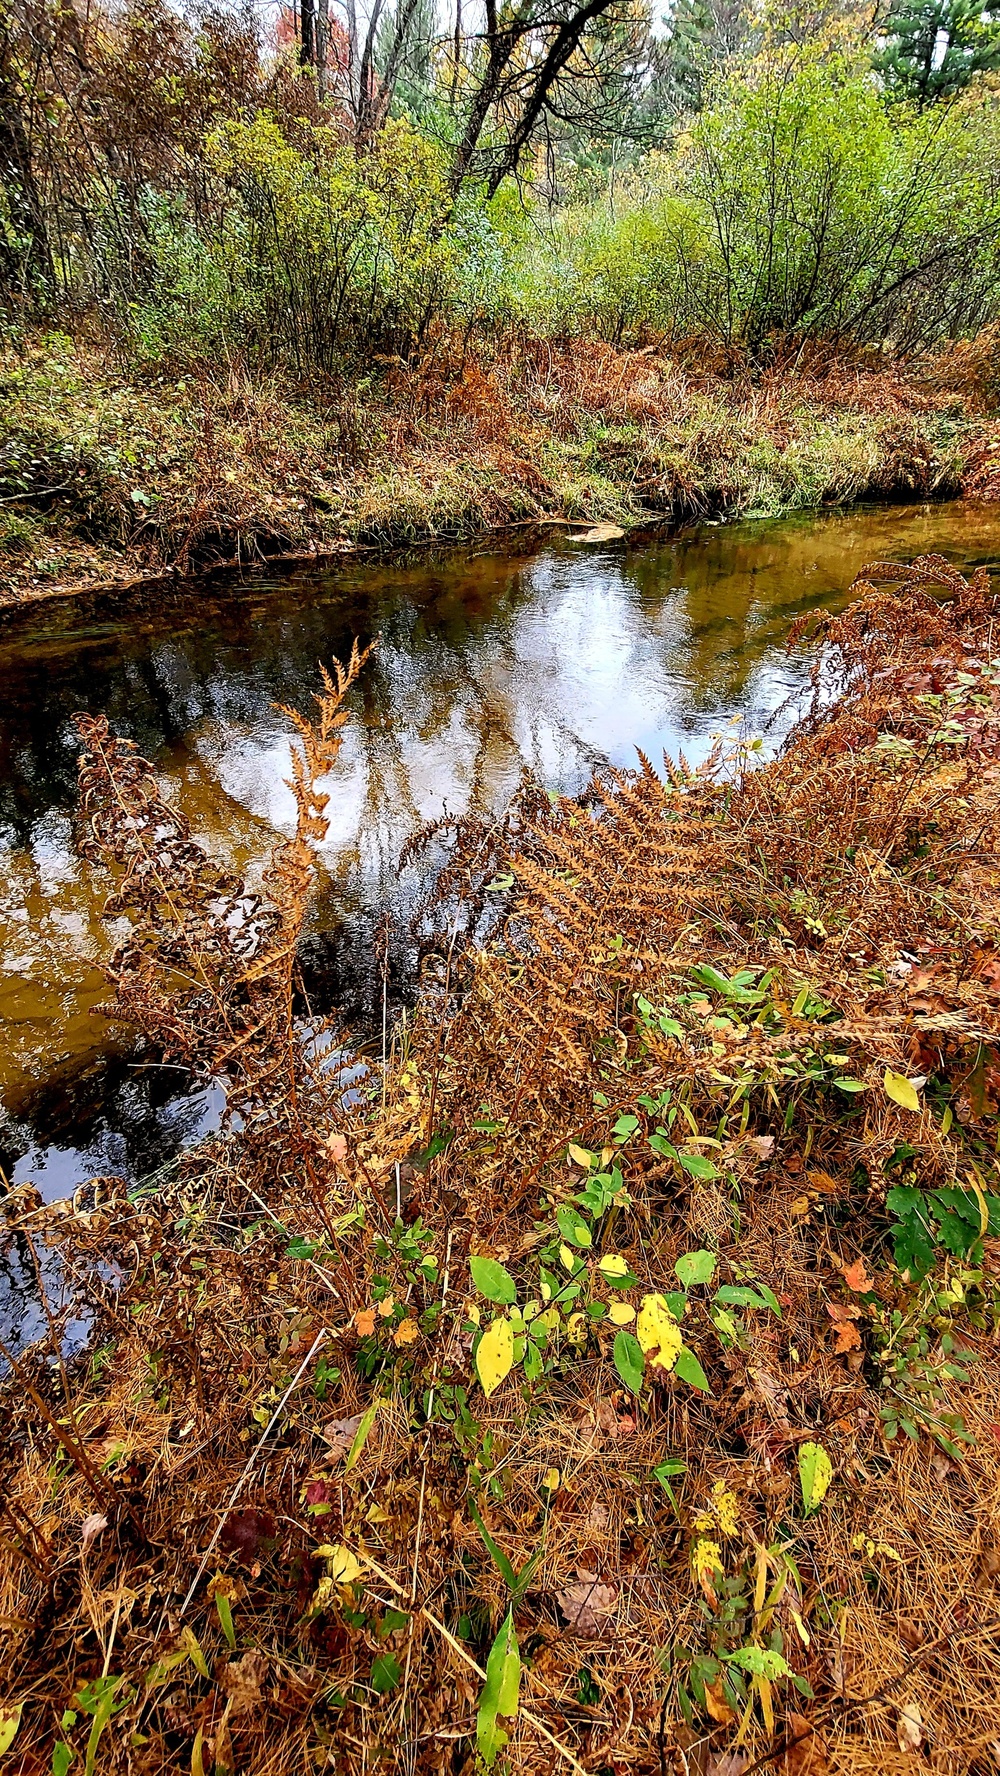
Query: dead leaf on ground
847	1337
90	1529
764	1145
717	1706
726	1763
340	1434
806	1757
587	1603
243	1681
909	1728
856	1277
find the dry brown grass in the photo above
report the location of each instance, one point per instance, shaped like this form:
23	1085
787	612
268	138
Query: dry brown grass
860	865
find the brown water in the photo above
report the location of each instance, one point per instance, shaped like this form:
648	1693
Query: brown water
560	660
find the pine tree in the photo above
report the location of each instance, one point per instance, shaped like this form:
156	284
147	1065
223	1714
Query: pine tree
934	47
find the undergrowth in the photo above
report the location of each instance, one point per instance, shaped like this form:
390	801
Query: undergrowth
106	473
607	1379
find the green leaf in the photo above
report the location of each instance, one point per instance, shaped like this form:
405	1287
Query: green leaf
690	1370
493	1281
850	1085
386	1673
497	1554
676	1301
815	1474
695	1267
62	1757
625	1126
629	1360
572	1226
901	1091
533	1365
667	1471
698	1166
737	1295
361	1436
913	1243
225	1613
300	1247
500	1692
760	1662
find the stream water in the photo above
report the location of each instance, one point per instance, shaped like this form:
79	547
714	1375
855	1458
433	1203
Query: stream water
560	660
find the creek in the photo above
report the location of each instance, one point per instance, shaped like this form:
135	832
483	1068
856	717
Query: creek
561	659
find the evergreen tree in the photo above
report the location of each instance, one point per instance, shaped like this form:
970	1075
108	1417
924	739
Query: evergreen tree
934	47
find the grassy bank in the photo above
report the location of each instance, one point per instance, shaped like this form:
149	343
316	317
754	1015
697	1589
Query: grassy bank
105	476
613	1385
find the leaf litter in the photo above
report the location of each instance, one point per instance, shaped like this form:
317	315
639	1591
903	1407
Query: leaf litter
689	1017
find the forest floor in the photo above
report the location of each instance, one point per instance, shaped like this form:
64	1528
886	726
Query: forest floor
107	475
611	1382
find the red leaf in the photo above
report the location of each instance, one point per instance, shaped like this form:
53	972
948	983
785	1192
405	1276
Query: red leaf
246	1533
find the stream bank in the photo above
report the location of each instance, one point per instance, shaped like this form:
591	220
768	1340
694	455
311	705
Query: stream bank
112	476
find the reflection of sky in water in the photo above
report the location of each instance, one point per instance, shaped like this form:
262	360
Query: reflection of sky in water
485	664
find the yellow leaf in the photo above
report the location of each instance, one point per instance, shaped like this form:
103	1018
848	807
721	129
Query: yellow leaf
375	1514
472	1312
620	1313
341	1566
611	1265
576	1329
801	1205
815	1474
10	1720
658	1332
551	1479
580	1156
900	1090
405	1332
567	1259
495	1356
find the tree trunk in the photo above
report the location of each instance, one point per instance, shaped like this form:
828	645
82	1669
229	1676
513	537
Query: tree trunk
25	257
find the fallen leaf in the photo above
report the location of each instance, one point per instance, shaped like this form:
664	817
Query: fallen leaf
586	1604
336	1146
800	1205
764	1145
246	1533
909	1728
901	1090
243	1681
341	1565
806	1757
405	1332
717	1706
856	1277
90	1529
364	1322
847	1336
340	1434
658	1332
726	1763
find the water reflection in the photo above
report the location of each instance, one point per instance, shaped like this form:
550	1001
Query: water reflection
486	664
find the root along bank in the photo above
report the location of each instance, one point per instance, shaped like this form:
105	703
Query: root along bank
657	1429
